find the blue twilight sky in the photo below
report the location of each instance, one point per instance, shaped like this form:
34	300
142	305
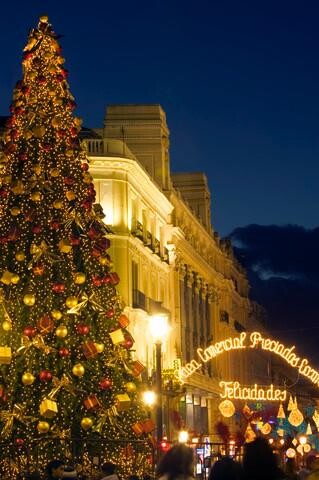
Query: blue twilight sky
239	81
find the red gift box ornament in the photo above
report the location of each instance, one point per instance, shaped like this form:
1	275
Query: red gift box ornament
92	403
114	279
123	321
137	368
89	349
148	426
138	428
45	325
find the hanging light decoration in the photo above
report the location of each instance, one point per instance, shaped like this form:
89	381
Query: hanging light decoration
227	408
266	428
281	412
295	417
308	431
291	404
249	434
307	448
290	453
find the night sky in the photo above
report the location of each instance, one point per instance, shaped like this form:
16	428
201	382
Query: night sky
239	83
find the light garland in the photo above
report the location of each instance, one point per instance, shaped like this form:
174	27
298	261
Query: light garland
256	340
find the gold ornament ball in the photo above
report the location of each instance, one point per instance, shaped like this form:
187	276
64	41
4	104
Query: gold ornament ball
78	370
86	423
79	278
36	196
57	204
15	279
43	427
29	299
15	211
71	302
44	19
130	387
20	256
61	331
99	347
27	378
70	195
104	261
37	169
6	325
56	314
55	172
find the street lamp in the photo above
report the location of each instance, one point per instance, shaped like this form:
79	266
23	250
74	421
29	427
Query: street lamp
159	329
149	398
183	436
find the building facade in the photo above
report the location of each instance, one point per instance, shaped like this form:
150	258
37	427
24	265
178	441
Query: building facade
170	261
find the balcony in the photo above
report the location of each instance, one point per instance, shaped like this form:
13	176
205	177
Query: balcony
139	300
103	147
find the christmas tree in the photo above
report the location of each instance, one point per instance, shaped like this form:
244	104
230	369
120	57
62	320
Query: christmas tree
68	382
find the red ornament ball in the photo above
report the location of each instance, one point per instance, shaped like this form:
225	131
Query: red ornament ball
55	225
87	204
36	229
97	281
109	313
23	157
68	180
19	442
128	343
58	287
105	384
29	331
85	166
45	376
64	352
82	328
75	241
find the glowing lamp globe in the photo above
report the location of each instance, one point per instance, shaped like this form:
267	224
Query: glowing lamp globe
159	327
290	453
303	440
149	398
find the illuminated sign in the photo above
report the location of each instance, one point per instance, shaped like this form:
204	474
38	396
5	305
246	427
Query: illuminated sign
234	391
255	340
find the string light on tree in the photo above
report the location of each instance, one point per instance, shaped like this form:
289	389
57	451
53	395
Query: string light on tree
57	286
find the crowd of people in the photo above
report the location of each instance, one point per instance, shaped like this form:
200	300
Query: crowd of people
259	463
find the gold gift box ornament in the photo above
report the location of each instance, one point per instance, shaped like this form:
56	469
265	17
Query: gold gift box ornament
5	355
123	402
117	336
48	408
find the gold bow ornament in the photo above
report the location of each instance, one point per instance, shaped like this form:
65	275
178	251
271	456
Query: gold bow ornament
37	342
85	299
65	382
17	413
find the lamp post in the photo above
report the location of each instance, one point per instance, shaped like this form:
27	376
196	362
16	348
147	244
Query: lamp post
159	329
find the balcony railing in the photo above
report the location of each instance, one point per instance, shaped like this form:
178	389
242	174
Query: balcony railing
102	147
